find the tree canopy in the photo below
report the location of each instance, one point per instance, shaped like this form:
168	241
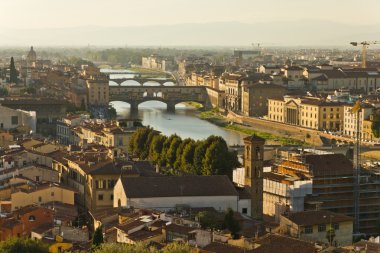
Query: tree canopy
176	156
17	245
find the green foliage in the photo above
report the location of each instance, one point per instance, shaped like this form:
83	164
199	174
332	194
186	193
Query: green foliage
172	150
210	220
3	92
30	90
231	224
141	248
13	72
111	112
177	156
330	235
18	245
97	238
376	126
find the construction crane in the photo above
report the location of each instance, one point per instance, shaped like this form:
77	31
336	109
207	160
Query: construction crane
365	45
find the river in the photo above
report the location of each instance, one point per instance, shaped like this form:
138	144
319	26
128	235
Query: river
183	122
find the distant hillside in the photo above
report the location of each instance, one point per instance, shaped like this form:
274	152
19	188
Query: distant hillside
307	32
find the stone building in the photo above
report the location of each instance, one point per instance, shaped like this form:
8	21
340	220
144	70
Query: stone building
255	97
308	112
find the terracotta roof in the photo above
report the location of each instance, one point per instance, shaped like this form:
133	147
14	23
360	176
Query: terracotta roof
272	243
254	138
218	247
309	218
179	229
329	165
173	186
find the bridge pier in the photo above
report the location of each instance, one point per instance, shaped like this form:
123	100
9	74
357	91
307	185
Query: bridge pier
134	109
170	107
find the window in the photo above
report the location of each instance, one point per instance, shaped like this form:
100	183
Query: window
32	218
322	227
37	178
111	197
111	184
100	197
40	199
244	210
308	230
14	120
336	226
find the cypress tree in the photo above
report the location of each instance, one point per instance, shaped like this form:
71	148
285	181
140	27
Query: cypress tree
13	72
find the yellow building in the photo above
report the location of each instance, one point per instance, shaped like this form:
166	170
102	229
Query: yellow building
315	226
42	194
308	112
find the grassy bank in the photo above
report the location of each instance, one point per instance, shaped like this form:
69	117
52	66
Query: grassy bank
193	104
214	117
267	136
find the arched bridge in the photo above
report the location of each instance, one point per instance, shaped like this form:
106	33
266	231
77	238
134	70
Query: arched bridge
142	80
171	95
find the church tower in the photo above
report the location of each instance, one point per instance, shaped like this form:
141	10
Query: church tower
253	174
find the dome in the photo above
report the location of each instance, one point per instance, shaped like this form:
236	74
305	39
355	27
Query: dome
32	56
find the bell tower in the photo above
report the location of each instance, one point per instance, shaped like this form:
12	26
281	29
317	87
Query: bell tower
253	173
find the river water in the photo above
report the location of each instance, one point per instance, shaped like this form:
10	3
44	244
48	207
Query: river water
183	122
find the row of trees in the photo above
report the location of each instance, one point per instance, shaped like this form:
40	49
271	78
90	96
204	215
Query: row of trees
184	156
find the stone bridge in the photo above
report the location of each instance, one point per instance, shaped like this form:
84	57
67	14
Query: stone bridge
171	95
142	80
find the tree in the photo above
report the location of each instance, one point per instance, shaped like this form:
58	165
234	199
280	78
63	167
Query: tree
172	151
176	248
138	141
155	148
210	220
13	72
187	158
199	154
145	152
97	238
178	162
231	224
3	92
17	245
330	234
376	126
141	248
82	105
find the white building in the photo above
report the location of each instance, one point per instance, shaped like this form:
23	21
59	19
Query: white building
284	193
166	193
11	119
350	119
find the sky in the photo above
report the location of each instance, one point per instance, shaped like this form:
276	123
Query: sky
27	14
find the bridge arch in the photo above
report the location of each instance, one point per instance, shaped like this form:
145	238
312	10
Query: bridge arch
112	83
151	83
169	83
130	82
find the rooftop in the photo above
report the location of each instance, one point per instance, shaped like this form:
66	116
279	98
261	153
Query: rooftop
173	186
309	218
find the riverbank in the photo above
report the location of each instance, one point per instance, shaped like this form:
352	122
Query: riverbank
216	118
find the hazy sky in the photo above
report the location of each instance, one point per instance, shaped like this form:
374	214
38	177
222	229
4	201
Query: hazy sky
69	13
